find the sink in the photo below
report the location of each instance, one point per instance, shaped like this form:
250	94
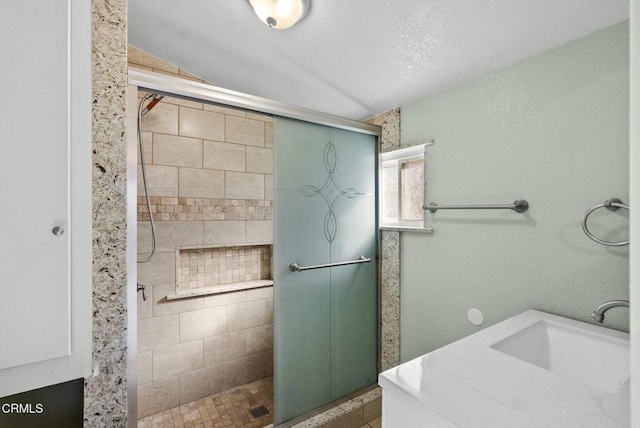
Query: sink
591	358
529	371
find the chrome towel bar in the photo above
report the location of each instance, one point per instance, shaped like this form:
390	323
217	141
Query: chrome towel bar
613	204
294	267
519	206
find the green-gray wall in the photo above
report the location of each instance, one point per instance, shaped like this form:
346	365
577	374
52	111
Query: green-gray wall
554	130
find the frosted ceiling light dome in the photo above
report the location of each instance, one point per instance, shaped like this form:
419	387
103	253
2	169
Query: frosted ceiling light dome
280	14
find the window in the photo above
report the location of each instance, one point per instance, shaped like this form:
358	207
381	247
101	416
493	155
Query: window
402	188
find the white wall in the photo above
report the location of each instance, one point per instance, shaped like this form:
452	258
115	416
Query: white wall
553	130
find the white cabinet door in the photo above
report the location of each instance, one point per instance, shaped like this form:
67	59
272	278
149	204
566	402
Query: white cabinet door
45	155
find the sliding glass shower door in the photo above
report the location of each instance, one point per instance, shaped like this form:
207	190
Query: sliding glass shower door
325	318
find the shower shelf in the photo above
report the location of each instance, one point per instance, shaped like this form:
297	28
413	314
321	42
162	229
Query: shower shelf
219	289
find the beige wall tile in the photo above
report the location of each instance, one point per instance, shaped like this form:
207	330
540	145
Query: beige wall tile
268	303
268	135
158	396
182	102
244	370
154	333
225	299
224	232
260	160
162	306
169	234
240	185
373	410
139	57
177	151
225	110
185	74
163	118
259	339
224	156
177	359
260	231
172	74
145	307
353	419
268	363
145	374
201	124
144	237
259	116
161	269
245	315
202	323
201	383
376	423
260	293
268	187
201	183
147	145
225	348
161	180
244	131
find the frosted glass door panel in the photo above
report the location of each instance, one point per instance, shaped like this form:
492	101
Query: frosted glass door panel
302	347
355	154
299	164
353	288
324	319
353	299
34	172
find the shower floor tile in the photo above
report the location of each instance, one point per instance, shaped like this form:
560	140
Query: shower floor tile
228	409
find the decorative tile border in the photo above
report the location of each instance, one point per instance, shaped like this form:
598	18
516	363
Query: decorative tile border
199	209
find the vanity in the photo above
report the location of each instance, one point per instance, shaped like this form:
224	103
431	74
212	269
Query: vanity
533	370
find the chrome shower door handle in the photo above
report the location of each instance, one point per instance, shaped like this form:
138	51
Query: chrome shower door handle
58	230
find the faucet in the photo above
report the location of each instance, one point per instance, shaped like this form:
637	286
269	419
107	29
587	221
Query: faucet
598	314
142	288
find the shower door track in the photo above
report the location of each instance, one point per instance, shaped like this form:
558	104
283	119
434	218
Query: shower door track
189	89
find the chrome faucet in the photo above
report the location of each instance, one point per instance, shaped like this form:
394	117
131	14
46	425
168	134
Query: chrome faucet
598	314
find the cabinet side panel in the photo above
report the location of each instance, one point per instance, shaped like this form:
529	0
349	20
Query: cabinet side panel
34	184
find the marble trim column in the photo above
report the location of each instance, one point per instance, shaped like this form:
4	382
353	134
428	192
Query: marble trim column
105	396
390	259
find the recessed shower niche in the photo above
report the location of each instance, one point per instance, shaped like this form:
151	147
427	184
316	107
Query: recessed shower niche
205	270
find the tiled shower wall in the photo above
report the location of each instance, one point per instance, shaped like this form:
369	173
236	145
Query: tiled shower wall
192	348
210	179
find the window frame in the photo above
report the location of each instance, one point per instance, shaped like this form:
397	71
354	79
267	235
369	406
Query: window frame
396	158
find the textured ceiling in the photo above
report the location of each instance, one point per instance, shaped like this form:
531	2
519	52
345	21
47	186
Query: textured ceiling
358	58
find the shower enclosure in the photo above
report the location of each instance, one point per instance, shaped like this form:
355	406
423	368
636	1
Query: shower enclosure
324	262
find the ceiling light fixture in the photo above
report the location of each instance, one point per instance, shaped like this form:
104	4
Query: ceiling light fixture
280	14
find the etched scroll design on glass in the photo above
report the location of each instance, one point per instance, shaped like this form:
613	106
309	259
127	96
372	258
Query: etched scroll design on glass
330	191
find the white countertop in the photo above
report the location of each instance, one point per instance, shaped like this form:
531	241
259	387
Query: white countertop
472	385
